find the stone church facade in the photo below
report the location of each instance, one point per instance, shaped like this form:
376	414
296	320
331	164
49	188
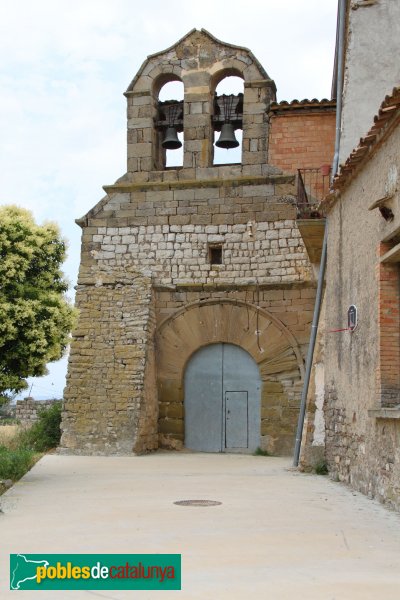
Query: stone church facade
195	289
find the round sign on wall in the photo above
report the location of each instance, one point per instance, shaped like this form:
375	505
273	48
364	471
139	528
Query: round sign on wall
352	317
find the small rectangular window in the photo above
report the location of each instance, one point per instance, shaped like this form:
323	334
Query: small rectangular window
215	254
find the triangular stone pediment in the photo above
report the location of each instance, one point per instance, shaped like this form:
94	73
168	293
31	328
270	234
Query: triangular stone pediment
197	49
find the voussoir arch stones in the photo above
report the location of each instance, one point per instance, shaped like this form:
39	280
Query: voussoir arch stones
275	350
198	51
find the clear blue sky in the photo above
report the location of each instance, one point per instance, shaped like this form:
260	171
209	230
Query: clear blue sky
65	65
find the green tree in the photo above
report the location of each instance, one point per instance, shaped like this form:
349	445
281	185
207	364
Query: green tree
35	316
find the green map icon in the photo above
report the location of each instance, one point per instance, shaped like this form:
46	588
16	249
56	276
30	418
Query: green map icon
23	569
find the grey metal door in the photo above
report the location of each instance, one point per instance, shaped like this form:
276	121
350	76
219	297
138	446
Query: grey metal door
222	400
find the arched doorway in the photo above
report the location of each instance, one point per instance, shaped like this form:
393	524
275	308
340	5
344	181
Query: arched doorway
222	400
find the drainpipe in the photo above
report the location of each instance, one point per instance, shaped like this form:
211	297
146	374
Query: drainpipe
339	79
321	275
310	354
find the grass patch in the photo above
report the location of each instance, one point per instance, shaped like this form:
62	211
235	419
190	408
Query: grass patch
8	421
321	468
20	448
261	452
15	463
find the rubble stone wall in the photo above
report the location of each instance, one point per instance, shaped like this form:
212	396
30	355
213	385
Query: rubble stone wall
170	231
27	409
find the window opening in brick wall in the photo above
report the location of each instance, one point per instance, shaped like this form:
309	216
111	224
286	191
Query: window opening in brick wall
215	254
388	372
173	91
229	85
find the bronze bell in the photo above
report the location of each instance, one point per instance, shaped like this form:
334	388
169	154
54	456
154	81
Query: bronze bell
227	137
171	140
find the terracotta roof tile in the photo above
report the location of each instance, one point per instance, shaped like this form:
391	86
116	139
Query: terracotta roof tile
302	104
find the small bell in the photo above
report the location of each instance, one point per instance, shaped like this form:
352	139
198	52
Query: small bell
227	137
171	140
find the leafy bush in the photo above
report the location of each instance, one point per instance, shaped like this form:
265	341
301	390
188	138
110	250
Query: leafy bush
45	433
35	315
15	463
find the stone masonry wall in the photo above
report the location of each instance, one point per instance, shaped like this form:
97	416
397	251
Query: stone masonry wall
200	61
109	397
27	409
254	222
147	251
366	459
170	230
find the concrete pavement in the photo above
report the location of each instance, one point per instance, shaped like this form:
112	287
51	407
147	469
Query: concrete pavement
277	535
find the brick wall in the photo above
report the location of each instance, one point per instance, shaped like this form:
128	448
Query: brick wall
388	370
301	139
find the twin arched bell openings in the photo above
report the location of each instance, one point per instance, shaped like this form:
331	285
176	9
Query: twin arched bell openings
226	108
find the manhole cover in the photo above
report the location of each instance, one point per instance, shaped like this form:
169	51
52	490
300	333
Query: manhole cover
197	502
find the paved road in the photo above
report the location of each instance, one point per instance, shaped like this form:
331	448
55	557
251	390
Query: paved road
278	534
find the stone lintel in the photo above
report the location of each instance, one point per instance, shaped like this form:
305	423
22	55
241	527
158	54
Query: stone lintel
199	287
385	413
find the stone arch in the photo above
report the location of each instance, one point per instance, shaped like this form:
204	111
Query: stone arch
230	321
248	71
162	74
179	336
219	75
162	79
